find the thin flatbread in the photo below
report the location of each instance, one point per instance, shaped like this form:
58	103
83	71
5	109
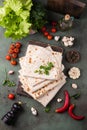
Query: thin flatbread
41	92
44	100
32	81
35	83
40	56
34	58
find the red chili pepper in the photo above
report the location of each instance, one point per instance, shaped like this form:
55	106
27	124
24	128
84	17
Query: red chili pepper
76	117
66	103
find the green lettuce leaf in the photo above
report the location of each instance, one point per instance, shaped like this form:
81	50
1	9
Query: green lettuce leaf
14	17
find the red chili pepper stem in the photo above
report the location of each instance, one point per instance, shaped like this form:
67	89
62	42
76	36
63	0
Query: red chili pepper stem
76	117
66	103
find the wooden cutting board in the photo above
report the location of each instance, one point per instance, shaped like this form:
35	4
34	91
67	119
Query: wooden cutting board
72	7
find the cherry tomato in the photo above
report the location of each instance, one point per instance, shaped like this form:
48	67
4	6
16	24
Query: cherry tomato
10	51
53	30
46	33
18	44
13	62
8	57
43	29
16	50
11	96
49	37
14	55
54	23
12	46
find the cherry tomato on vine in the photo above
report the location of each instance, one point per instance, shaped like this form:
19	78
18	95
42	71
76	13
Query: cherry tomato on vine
53	30
43	29
13	62
12	46
8	57
16	50
46	33
54	23
49	37
18	44
14	55
10	51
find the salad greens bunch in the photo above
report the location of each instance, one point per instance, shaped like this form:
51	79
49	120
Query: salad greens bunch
18	17
15	18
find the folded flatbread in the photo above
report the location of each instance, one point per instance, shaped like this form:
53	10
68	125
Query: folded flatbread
34	82
44	100
36	57
41	87
31	81
42	91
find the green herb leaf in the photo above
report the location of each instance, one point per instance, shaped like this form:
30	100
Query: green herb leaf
4	83
38	15
11	83
15	18
44	69
47	109
46	72
7	81
50	64
36	71
76	96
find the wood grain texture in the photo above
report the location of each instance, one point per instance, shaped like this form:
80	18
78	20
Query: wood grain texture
72	7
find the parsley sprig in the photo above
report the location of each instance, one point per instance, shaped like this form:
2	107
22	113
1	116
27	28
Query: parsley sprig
7	81
44	69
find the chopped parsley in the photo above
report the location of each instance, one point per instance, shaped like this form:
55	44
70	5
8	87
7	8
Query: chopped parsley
44	69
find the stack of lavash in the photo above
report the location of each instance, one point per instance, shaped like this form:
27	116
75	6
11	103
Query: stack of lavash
41	87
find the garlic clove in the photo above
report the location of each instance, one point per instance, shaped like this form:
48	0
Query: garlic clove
10	72
71	38
56	38
34	111
66	44
70	43
74	86
59	100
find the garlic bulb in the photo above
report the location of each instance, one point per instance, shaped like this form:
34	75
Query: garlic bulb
74	73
